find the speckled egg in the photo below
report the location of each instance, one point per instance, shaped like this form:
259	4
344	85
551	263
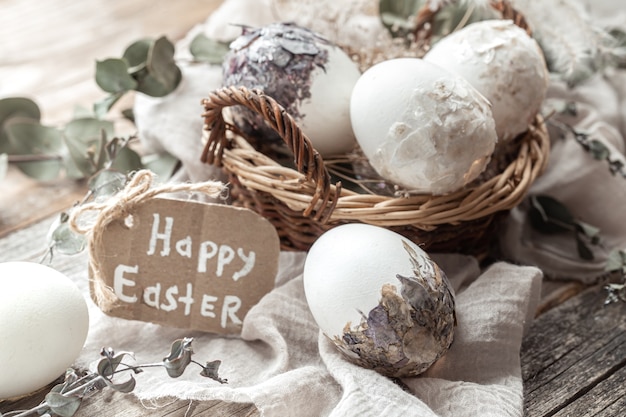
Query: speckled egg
380	299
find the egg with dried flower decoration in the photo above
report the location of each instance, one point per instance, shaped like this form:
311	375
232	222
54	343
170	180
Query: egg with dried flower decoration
308	75
380	299
43	325
421	127
504	63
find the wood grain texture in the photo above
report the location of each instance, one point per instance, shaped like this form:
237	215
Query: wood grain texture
48	52
574	359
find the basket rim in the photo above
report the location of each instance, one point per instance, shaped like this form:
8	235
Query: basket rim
300	192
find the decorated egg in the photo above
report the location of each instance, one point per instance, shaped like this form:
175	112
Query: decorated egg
421	127
502	62
380	299
43	326
308	75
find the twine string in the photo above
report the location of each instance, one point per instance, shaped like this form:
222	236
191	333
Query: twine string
138	190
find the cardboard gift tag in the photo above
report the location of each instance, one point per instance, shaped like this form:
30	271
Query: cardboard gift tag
187	264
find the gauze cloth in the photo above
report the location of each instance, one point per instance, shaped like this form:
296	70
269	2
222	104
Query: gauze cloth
285	366
583	184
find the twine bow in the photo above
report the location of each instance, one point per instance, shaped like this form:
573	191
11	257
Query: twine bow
138	190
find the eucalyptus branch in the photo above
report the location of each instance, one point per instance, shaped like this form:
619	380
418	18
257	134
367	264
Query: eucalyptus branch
594	147
65	399
16	159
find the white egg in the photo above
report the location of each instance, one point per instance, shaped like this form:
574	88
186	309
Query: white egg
308	75
379	298
504	63
43	325
422	127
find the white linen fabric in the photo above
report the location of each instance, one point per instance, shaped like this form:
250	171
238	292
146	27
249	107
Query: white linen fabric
286	367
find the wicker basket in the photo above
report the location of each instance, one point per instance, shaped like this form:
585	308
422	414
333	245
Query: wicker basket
302	202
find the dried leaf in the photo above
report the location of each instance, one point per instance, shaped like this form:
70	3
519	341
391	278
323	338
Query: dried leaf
64	406
548	215
208	50
62	239
109	364
616	261
584	252
180	356
210	370
124	387
106	183
112	76
599	150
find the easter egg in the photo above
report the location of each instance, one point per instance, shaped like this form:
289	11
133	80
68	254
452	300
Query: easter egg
502	62
422	127
380	299
43	325
308	75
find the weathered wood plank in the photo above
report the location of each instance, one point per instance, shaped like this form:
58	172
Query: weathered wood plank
607	398
571	351
48	51
115	404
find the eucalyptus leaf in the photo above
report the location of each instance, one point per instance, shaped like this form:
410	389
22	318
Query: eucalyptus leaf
112	76
616	261
208	50
397	15
4	165
548	215
81	112
108	365
83	138
61	405
124	387
584	252
106	183
129	114
599	150
179	357
15	107
162	75
18	106
589	231
102	107
44	143
62	239
162	164
136	54
127	160
210	370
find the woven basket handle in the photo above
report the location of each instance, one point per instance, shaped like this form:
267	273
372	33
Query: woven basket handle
307	160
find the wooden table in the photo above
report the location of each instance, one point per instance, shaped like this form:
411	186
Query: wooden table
573	359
